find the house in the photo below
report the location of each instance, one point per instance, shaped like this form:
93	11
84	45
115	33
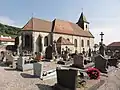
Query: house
114	46
4	40
37	34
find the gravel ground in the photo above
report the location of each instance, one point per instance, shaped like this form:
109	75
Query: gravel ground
16	80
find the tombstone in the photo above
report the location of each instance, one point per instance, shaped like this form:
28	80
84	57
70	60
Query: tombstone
101	63
66	79
78	61
21	65
102	50
89	52
44	70
113	62
48	52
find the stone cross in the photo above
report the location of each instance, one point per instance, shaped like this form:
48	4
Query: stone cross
101	37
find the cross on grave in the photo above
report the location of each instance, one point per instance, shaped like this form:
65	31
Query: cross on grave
101	37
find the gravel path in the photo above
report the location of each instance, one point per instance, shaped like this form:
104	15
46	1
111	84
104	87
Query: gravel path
16	80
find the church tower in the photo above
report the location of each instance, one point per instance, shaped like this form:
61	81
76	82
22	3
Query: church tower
83	23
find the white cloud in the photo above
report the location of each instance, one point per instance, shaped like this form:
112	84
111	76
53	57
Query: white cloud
6	20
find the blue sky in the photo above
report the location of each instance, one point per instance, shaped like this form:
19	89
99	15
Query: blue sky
103	15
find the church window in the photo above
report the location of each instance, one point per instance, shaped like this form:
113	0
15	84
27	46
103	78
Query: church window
82	43
27	39
88	43
75	42
46	41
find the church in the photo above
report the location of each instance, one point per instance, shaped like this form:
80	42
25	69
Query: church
37	34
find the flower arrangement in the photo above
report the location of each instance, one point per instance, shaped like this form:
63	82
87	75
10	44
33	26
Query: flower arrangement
93	73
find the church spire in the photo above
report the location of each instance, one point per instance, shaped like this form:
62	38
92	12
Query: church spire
82	20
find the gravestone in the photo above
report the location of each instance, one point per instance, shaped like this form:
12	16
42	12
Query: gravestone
48	52
78	61
66	79
101	63
21	65
10	59
102	50
44	70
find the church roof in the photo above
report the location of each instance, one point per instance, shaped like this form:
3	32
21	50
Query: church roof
67	27
82	18
57	26
63	41
38	25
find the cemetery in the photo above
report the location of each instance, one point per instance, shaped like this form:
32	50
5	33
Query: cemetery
72	70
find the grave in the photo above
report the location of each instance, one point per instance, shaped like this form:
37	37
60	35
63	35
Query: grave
101	63
10	59
22	65
48	52
66	79
78	61
66	58
45	70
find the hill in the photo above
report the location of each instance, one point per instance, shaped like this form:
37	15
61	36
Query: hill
7	30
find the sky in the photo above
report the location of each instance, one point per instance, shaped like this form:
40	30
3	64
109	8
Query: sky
103	15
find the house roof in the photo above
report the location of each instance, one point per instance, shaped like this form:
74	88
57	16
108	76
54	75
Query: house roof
57	26
63	41
114	44
7	39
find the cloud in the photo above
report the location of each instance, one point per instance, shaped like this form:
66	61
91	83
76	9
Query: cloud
6	20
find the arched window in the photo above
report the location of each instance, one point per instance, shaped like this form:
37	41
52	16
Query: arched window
27	40
82	43
88	43
75	42
46	41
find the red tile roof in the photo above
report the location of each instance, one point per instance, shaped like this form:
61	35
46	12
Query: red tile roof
38	25
59	26
114	44
7	39
63	41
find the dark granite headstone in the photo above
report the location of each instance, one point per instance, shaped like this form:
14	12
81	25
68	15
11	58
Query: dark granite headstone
102	50
101	63
67	78
48	52
78	61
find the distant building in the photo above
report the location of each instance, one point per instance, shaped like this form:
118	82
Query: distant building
4	40
37	34
114	46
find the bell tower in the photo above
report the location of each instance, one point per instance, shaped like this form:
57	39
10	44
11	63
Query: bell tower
83	23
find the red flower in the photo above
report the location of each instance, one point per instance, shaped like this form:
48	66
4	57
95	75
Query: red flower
93	73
